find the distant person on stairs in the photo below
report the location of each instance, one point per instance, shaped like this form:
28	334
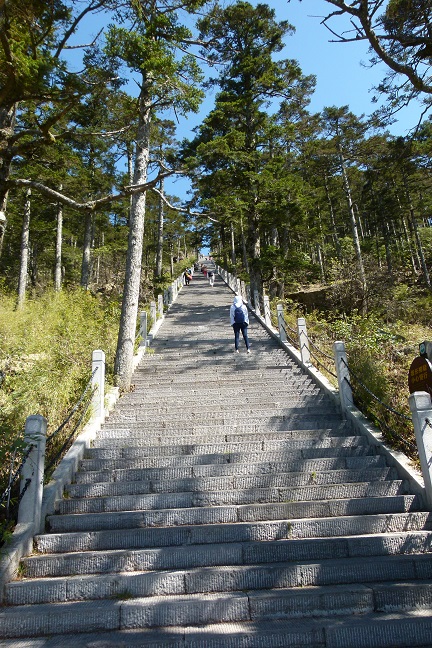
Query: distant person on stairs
187	276
211	277
239	318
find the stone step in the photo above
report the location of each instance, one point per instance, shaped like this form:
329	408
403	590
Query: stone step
157	434
233	578
285	482
237	606
286	380
247	553
311	466
226	425
136	517
207	399
210	390
264	531
190	499
134	460
137	450
222	415
203	404
397	630
161	441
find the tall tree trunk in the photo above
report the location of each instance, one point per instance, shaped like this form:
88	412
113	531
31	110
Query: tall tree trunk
160	229
389	260
171	260
233	252
130	157
131	291
244	248
34	268
25	236
321	263
58	248
335	235
7	128
254	249
354	231
86	257
224	246
417	238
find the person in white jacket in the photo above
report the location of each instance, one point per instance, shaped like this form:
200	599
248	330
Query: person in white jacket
239	318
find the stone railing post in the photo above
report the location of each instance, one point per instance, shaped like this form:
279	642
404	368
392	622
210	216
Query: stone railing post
267	313
32	474
421	410
243	290
257	302
345	391
98	384
281	323
143	328
160	306
170	295
248	294
153	312
303	340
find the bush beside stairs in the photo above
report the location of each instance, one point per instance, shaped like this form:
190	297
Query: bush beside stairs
226	503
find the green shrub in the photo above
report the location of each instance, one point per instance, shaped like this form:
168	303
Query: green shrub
45	360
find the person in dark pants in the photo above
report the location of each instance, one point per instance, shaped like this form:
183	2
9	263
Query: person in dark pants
239	318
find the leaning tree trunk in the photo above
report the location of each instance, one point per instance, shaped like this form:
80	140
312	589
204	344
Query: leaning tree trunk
58	247
130	302
25	236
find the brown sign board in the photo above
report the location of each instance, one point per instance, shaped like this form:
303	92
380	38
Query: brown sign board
420	376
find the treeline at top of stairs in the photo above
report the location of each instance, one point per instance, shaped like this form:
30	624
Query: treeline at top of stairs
226	503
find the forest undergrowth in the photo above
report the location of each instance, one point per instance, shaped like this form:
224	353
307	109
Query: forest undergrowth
380	349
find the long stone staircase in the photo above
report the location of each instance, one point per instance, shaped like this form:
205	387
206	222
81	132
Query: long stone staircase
226	503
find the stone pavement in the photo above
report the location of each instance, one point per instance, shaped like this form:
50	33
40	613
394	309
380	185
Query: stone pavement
226	503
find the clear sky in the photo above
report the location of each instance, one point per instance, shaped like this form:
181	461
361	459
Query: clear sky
343	74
